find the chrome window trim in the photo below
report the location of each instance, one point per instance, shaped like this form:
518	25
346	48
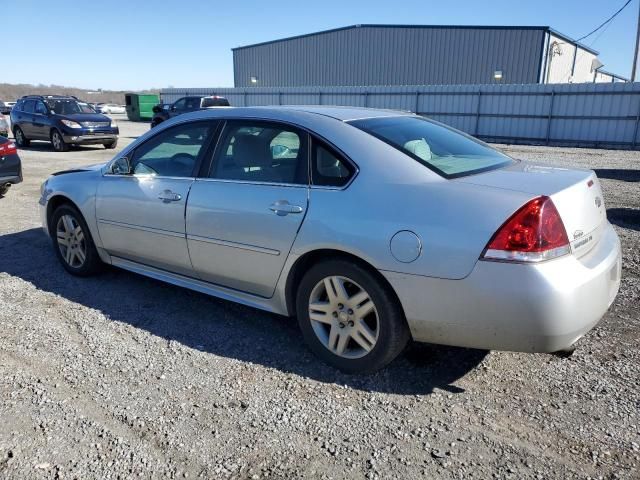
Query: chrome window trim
223	120
147	176
253	182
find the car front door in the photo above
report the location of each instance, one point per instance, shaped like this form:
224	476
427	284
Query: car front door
178	107
244	214
141	213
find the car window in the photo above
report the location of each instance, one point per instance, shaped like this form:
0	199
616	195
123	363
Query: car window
173	152
29	106
65	106
329	169
262	152
40	108
180	104
192	103
214	102
444	150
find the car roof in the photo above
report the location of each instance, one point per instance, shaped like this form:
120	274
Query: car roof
287	111
345	113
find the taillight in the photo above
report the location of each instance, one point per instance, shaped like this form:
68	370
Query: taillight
8	148
532	234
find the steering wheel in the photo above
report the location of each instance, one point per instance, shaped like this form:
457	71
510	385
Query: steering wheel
182	161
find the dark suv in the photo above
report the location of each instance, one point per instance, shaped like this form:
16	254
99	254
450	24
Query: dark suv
61	120
184	105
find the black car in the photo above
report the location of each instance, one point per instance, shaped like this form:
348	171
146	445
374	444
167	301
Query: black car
5	107
10	166
63	121
192	103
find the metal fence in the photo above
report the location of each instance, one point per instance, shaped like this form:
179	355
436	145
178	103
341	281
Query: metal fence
596	115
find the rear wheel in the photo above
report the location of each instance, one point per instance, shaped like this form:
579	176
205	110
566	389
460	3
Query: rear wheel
21	140
349	317
58	143
72	242
111	145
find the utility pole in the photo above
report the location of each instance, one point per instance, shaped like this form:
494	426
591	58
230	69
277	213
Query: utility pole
635	55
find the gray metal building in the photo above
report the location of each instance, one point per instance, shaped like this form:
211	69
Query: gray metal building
372	55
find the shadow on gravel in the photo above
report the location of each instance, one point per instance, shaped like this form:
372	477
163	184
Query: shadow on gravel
624	217
618	174
222	328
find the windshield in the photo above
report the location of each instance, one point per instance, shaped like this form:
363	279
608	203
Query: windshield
444	150
68	107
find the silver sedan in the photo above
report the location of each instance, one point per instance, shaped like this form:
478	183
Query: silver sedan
372	227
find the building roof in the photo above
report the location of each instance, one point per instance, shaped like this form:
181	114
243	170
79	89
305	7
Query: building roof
452	27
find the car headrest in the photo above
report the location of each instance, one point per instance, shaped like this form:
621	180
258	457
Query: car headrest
251	151
420	148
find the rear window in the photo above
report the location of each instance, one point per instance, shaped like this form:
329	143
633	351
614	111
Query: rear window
214	102
446	151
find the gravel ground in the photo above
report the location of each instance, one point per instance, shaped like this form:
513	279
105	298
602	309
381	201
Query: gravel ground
120	376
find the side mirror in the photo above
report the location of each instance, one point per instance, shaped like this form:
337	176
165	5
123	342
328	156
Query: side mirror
121	166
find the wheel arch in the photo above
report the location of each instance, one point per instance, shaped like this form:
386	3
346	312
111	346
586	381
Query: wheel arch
56	201
313	257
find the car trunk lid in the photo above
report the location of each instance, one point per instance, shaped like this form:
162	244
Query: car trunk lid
576	194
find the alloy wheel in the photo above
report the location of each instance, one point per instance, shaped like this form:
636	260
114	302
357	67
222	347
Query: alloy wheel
344	317
19	137
71	241
56	140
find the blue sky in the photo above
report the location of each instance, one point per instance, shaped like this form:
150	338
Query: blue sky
118	44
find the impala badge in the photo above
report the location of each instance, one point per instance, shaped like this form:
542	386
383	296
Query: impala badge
577	234
598	202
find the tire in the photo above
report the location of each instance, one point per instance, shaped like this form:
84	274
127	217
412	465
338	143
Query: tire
4	189
57	142
337	336
155	122
83	260
112	145
21	140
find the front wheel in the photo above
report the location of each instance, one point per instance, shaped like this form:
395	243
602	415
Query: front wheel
72	242
111	145
58	143
4	189
349	317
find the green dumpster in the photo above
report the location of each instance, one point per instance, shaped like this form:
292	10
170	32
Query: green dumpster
140	106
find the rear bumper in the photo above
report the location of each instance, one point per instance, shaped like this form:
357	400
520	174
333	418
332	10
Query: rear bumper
13	180
90	139
506	306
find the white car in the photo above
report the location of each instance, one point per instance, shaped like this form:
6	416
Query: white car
112	108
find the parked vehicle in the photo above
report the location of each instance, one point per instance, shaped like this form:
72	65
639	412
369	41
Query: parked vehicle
162	113
112	108
5	107
372	226
4	126
10	165
63	121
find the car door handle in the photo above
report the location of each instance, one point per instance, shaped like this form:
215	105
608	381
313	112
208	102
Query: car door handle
282	208
168	196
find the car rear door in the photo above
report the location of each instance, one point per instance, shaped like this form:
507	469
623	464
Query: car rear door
243	215
40	125
141	216
25	117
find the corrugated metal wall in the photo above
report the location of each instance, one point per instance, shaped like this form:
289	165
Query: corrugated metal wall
398	55
602	114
